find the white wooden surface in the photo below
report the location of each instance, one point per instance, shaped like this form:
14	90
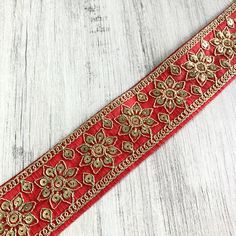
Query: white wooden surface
62	60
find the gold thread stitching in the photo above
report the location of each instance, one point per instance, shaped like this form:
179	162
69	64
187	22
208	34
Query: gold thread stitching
135	121
111	106
16	217
169	94
98	151
101	184
58	184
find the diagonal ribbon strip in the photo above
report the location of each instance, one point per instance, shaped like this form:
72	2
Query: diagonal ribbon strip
58	187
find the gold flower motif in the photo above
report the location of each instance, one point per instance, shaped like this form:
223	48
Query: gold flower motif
58	184
169	94
16	217
224	42
200	67
136	122
98	151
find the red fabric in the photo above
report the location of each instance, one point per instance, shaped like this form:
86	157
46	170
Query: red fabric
59	181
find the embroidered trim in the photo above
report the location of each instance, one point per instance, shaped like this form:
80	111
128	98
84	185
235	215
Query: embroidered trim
98	151
117	102
16	216
135	122
125	164
169	94
84	165
58	184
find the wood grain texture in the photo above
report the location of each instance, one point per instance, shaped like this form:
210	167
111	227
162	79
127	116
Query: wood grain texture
63	60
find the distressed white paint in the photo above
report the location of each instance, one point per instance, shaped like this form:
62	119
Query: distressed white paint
63	60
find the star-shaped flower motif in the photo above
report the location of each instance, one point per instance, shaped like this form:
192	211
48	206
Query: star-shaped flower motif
224	42
200	67
58	184
169	94
16	217
98	151
136	122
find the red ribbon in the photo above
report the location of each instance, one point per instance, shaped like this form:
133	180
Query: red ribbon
62	184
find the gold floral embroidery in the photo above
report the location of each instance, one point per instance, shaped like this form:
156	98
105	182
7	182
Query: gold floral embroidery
163	117
88	179
200	67
142	97
98	151
169	94
58	184
225	63
46	214
68	153
225	43
4	189
127	146
26	186
186	113
107	123
108	179
174	69
136	122
196	90
16	217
